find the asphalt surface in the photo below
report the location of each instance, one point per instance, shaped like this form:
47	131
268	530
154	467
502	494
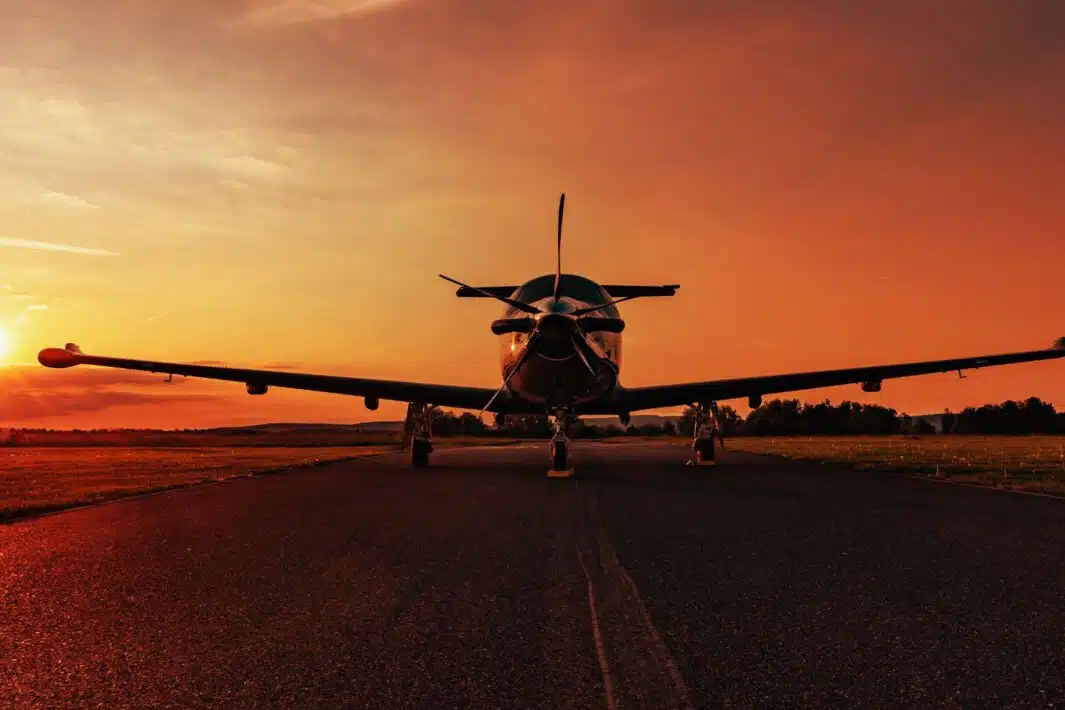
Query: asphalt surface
480	583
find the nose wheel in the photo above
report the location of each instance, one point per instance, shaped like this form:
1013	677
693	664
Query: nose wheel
560	463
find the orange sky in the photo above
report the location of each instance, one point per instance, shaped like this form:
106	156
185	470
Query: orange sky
279	182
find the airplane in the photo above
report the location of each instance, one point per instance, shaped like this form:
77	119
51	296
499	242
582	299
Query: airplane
560	354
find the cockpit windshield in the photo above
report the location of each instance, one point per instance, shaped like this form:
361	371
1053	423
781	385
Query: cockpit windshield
578	287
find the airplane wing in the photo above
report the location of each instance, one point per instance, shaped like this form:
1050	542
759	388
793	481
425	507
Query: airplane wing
638	398
257	381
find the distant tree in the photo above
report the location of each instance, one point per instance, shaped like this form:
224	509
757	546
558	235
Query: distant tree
924	427
949	421
1033	416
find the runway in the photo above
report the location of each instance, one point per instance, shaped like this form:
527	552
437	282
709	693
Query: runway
480	583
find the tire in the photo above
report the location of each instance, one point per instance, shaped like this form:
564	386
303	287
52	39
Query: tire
706	450
559	456
419	453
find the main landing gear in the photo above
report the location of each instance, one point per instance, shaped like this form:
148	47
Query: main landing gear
417	434
706	429
560	463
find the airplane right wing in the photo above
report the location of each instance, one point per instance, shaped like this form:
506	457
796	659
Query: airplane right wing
637	398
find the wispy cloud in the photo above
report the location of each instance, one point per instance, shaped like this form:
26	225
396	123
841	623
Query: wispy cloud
36	307
52	246
62	199
154	318
292	12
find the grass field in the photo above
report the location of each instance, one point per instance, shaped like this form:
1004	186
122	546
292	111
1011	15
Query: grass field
1031	463
36	479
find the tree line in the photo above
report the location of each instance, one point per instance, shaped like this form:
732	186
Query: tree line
790	417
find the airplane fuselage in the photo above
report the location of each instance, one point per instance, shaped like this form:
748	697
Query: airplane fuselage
566	368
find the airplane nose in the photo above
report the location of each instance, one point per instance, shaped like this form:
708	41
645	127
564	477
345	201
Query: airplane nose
556	336
556	324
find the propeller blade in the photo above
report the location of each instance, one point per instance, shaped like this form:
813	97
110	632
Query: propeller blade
513	325
579	347
601	325
592	309
517	366
558	250
524	307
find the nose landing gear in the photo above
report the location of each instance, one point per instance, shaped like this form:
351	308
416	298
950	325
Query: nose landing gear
560	463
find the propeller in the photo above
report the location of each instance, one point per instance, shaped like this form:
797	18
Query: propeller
558	250
592	309
524	307
517	366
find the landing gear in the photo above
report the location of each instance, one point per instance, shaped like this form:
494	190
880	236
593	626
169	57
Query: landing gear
417	434
560	463
706	429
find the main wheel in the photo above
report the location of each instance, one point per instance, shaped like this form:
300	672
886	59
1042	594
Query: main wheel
704	449
419	452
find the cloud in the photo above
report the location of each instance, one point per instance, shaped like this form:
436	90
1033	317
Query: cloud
292	12
26	405
154	318
37	307
52	246
62	199
282	366
37	377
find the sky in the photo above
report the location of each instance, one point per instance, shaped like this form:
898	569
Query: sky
273	183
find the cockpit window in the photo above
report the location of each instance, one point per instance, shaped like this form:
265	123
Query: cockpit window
572	286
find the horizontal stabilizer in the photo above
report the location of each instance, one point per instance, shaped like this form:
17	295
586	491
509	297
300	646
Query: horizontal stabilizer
486	291
615	291
618	291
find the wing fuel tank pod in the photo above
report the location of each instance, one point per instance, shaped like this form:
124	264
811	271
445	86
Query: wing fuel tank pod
57	358
872	386
254	388
371	403
754	401
66	356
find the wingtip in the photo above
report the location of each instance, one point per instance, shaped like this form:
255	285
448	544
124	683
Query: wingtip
1059	344
57	358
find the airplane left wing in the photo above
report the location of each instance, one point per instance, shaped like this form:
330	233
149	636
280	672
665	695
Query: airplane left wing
638	398
257	381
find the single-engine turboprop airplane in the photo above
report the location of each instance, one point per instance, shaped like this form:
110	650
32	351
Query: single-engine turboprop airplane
560	340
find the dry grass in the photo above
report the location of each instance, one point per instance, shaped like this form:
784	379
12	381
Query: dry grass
1031	463
37	479
41	479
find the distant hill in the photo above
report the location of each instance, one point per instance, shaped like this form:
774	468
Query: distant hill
275	428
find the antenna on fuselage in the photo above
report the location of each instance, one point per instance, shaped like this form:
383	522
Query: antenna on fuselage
558	252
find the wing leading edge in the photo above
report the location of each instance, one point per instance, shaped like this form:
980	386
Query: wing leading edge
257	380
638	398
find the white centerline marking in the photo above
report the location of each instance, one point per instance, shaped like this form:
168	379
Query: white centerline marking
600	650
